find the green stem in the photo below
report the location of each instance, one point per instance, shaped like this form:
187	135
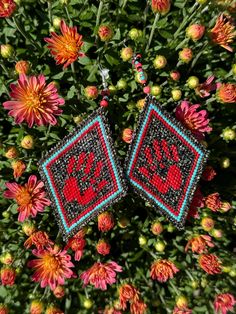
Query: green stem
186	19
99	13
174	287
152	31
5	69
50	12
23	33
189	275
68	15
198	56
124	4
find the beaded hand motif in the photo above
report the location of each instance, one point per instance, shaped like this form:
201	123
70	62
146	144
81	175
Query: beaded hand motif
165	162
82	175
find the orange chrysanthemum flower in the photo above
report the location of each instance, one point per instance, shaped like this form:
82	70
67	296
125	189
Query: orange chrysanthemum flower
33	101
213	202
65	48
52	267
40	239
30	197
226	93
210	264
163	269
129	293
36	307
223	32
199	244
7	7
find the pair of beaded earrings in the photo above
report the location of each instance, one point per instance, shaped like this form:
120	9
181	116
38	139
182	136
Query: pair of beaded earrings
83	176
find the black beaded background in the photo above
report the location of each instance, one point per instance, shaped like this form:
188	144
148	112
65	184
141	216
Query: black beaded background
88	143
156	130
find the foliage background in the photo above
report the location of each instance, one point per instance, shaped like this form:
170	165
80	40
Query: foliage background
36	18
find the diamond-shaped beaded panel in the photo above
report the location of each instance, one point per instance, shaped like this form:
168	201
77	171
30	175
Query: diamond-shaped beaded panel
82	175
165	162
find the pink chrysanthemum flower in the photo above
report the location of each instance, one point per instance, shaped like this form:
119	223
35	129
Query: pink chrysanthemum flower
65	48
77	244
100	275
196	203
224	302
195	121
162	270
30	197
204	89
33	101
52	267
182	310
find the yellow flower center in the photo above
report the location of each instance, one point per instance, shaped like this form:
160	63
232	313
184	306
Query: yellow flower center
51	262
23	197
34	99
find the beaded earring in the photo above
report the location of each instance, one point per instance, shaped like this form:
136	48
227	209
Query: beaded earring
82	174
165	161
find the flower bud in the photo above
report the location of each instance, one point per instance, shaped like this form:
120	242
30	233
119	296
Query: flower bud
53	310
156	90
7	276
142	240
56	22
234	68
135	34
207	223
64	2
22	67
6	258
232	273
127	135
28	228
161	6
112	89
91	92
123	222
159	62
6	214
202	1
126	53
105	32
228	134
157	228
194	284
105	221
11	152
176	94
175	75
140	103
217	233
3	309
192	82
78	119
186	55
225	162
18	168
88	303
121	84
225	207
27	142
170	228
182	301
7	51
160	246
103	247
195	31
59	292
36	307
226	269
